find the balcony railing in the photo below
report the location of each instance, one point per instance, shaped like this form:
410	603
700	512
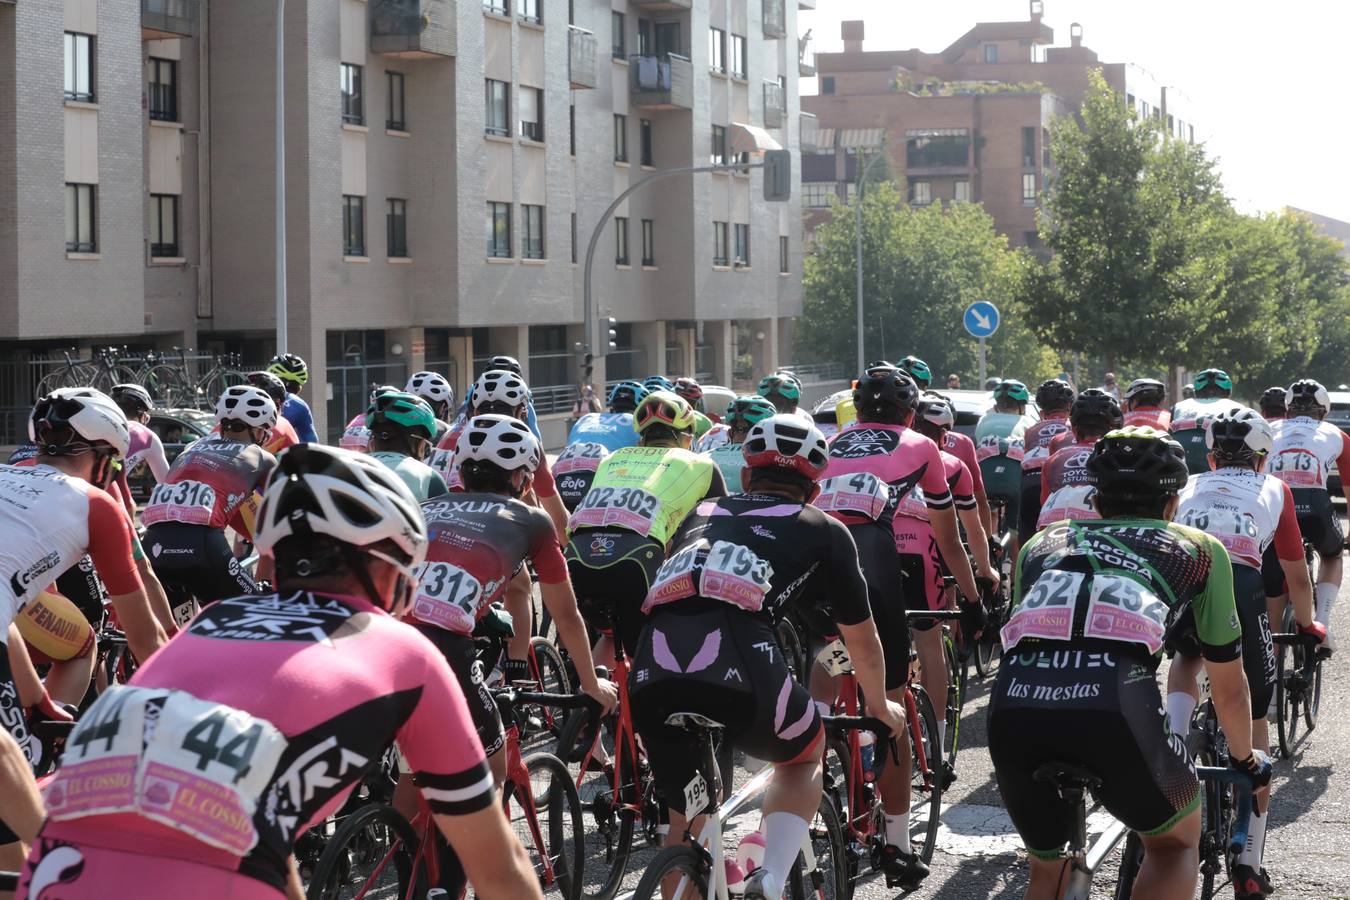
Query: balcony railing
809	132
661	82
663	4
806	58
775	105
162	19
413	29
775	19
580	57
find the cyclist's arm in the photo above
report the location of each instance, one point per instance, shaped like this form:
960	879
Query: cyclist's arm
942	517
1343	465
22	810
110	547
968	511
546	489
1220	634
493	859
156	596
154	457
1289	550
852	611
295	888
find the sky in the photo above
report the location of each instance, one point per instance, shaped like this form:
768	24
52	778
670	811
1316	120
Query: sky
1263	78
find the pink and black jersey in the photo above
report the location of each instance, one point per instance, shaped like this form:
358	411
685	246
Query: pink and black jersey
208	483
959	482
1036	441
1151	416
963	448
901	458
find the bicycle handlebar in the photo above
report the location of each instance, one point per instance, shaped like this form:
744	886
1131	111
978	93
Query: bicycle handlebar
1243	786
941	614
539	698
857	723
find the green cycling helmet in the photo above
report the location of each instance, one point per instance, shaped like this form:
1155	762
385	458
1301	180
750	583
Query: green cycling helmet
402	409
1008	389
750	409
1213	378
917	369
785	384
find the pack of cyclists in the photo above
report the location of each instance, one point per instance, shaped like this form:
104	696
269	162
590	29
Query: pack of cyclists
267	568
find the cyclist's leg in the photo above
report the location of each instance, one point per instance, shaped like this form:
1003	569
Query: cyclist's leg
1183	690
1321	528
1277	594
460	653
1258	661
928	634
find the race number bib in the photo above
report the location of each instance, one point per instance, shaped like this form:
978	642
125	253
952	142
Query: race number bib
355	437
443	461
675	579
1237	531
734	573
834	659
630	508
194	766
862	494
1298	468
1122	609
1068	503
1046	611
447	597
190	502
913	504
579	458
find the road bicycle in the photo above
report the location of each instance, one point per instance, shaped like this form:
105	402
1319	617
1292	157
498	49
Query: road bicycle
101	371
1298	682
988	649
182	388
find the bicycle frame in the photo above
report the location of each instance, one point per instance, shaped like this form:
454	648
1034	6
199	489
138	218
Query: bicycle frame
625	737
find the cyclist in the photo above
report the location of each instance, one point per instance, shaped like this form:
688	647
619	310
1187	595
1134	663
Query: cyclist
783	390
1066	487
435	389
1271	405
356	436
575	470
1144	404
283	432
896	549
1054	398
709	645
293	372
145	447
322	680
999	449
845	413
692	391
918	370
1252	515
963	448
658	383
615	428
1092	602
1212	391
742	414
1008	419
618	534
401	427
1306	447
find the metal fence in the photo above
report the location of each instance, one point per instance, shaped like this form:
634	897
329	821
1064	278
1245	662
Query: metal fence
831	371
349	389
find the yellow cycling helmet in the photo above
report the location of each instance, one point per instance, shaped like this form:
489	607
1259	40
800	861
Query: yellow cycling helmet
664	408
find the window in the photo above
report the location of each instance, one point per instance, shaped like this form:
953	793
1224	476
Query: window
645	131
1029	189
162	89
1028	148
933	148
353	101
620	137
572	130
616	49
497	7
353	225
574	239
817	194
532	242
648	242
620	240
742	233
719	146
499	230
79	67
395	119
717	49
720	244
530	10
961	191
532	113
498	108
738	56
920	193
81	233
991	53
396	228
164	226
783	255
827	84
1129	102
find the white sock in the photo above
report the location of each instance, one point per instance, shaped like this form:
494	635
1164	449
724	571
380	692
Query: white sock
942	733
1326	597
1256	840
784	834
1180	705
897	831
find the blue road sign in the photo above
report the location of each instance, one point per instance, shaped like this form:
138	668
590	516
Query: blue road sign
981	318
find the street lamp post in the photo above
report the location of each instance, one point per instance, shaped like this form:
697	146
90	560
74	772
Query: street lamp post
281	177
858	251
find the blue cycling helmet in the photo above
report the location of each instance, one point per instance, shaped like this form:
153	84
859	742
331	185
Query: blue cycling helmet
626	395
658	383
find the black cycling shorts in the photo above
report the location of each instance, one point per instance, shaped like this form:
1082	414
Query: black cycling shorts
1029	508
460	653
723	664
890	590
1318	521
81	585
13	720
195	561
1258	651
1098	710
611	572
1272	573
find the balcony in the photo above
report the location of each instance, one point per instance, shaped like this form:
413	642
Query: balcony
166	19
663	4
580	57
661	82
775	19
775	105
413	29
808	134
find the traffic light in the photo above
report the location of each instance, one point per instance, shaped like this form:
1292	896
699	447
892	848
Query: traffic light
613	337
777	175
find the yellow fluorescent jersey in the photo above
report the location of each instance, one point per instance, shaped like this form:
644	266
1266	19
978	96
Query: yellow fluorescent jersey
647	490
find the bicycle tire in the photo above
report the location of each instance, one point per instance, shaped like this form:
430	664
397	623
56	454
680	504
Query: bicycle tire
1287	702
1131	858
1312	701
790	645
610	811
1218	816
557	809
927	790
335	861
831	878
956	689
114	374
550	672
164	383
676	859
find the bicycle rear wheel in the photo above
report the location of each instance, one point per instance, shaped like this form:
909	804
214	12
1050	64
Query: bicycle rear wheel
678	860
1287	693
550	673
1130	861
794	654
926	805
548	823
1312	697
370	855
613	812
164	384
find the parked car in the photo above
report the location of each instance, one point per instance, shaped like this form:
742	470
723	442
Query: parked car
970	405
176	429
716	399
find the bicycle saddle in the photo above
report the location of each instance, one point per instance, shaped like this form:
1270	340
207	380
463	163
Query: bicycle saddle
692	722
1066	777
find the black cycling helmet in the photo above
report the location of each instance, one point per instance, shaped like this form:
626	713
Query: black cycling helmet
1054	394
1272	403
1137	463
1212	382
1307	397
1095	411
509	363
885	390
918	370
1146	391
274	386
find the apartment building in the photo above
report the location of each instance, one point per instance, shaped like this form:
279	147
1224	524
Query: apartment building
446	162
969	123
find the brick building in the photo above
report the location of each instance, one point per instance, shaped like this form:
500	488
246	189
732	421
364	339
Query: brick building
969	123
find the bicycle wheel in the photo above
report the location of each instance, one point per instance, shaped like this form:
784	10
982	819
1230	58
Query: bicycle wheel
114	374
827	878
371	854
989	648
164	384
613	811
1130	860
1312	696
548	823
550	673
790	645
676	860
1287	692
956	688
926	806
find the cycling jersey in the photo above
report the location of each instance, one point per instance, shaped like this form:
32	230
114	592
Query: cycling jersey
1189	420
1004	426
574	471
614	430
730	462
647	490
1305	451
1151	416
963	448
283	436
296	411
901	457
356	436
424	481
145	447
713	438
1246	511
226	773
209	483
917	544
1065	491
1036	440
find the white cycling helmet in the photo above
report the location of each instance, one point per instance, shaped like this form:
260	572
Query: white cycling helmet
498	386
431	387
1305	393
349	497
500	440
786	441
91	415
936	409
247	404
133	394
1239	432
